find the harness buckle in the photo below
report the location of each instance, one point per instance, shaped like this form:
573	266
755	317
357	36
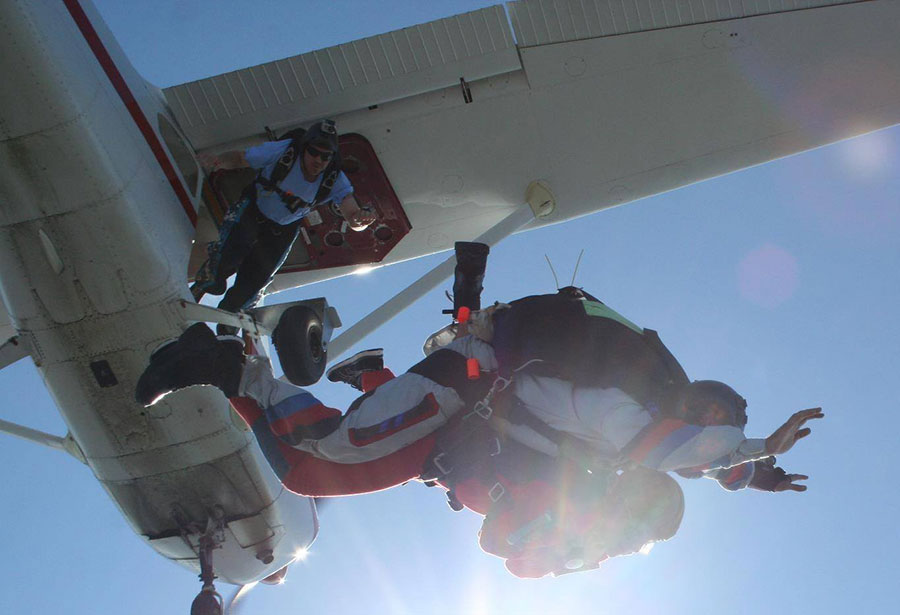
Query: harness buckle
437	463
503	384
483	410
292	202
497	444
496	492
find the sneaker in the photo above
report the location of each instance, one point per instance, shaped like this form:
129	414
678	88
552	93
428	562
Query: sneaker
205	281
197	357
351	370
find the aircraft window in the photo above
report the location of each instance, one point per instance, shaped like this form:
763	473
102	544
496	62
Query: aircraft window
184	159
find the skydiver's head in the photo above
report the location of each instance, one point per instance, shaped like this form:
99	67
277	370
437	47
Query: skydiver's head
709	402
642	507
320	143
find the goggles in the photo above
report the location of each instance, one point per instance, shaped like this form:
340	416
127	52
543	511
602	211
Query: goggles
322	155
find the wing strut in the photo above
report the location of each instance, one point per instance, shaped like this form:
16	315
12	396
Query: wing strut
66	444
12	350
540	202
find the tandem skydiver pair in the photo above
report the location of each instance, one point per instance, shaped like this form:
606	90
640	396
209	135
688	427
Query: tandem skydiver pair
563	441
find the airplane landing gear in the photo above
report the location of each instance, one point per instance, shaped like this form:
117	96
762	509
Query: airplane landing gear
208	601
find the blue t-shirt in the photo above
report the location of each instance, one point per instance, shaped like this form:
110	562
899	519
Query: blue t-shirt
264	157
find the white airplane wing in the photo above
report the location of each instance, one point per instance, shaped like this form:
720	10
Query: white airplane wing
608	101
329	82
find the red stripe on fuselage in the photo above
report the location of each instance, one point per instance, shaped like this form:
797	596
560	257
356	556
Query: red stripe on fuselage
137	114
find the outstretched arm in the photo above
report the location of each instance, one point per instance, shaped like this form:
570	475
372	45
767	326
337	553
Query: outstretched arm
671	444
762	475
787	435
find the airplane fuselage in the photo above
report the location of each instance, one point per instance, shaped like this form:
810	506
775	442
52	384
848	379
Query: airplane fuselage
97	218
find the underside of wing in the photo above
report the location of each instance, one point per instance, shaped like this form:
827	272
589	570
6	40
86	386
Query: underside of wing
607	101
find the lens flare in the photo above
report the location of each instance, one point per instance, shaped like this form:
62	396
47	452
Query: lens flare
868	157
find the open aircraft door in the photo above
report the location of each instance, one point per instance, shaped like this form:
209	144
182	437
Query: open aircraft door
325	240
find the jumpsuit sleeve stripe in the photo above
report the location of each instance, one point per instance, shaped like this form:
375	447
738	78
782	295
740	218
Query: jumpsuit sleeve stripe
658	440
737	477
270	446
247	409
302	410
288	406
738	474
364	436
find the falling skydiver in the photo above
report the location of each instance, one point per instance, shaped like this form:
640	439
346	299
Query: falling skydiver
580	402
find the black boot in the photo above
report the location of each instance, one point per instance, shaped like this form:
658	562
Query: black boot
471	261
197	357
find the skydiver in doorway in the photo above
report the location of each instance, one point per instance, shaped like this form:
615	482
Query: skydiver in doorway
630	405
295	176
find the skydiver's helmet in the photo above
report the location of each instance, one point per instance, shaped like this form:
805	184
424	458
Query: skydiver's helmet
710	402
322	135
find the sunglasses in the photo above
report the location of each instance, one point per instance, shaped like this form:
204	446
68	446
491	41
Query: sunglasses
322	155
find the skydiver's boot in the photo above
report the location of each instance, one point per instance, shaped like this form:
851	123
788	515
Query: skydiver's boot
350	371
471	261
197	357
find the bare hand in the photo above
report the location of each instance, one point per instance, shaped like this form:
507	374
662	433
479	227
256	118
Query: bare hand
785	436
361	219
788	483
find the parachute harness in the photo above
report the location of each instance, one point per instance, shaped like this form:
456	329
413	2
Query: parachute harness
464	435
483	407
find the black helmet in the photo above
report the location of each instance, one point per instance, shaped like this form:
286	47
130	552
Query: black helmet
710	402
323	134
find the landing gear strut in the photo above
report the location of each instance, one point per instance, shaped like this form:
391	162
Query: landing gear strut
208	601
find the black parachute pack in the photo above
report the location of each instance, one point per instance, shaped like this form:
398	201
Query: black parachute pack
578	338
300	137
569	335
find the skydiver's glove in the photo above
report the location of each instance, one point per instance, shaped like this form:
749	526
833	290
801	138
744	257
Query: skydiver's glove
769	477
766	475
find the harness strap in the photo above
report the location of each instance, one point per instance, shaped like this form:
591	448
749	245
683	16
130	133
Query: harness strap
294	202
288	159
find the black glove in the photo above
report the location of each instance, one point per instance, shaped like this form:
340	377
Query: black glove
766	475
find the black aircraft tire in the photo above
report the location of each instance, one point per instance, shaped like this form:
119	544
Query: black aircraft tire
298	342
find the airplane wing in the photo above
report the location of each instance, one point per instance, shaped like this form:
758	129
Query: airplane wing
225	109
608	101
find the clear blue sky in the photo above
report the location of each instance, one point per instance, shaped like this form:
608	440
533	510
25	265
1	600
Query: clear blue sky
781	280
